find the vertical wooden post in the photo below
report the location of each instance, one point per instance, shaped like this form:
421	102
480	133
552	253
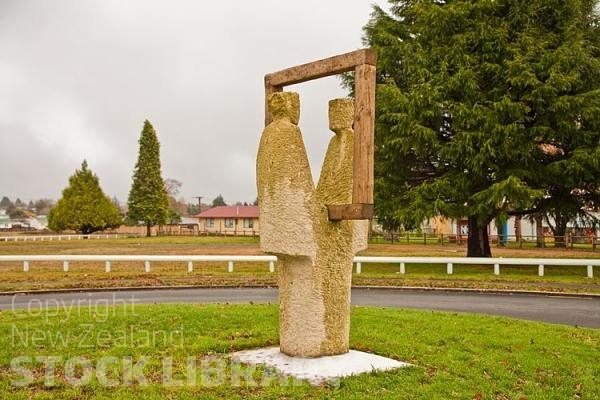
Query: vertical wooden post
364	126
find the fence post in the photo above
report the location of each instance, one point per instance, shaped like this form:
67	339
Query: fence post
147	267
66	266
190	266
590	271
594	243
496	269
402	268
107	266
271	266
442	238
25	266
424	239
449	269
541	270
230	266
358	268
571	240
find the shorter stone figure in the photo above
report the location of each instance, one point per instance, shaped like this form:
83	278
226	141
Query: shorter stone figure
337	242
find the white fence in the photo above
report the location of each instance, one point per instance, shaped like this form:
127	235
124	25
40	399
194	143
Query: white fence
230	260
496	262
147	260
48	238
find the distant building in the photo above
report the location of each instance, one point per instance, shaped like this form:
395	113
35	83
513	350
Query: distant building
38	223
230	220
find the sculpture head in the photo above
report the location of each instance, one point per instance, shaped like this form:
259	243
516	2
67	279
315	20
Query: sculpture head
285	105
341	114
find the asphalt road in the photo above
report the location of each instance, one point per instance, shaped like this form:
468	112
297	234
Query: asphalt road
580	311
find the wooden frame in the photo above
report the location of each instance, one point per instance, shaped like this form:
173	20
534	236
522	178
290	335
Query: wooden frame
363	63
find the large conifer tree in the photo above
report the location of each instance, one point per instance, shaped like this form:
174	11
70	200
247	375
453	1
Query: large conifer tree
481	106
148	201
84	207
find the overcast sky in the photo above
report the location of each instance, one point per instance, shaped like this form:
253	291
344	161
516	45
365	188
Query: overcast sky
78	78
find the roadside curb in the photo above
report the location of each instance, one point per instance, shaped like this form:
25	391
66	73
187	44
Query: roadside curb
398	288
131	288
483	291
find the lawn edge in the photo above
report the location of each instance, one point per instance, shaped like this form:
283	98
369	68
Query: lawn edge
399	288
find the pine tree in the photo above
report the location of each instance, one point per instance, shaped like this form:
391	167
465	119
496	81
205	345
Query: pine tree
148	201
5	203
83	207
558	78
470	95
218	201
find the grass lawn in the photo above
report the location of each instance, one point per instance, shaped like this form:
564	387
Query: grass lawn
88	275
455	356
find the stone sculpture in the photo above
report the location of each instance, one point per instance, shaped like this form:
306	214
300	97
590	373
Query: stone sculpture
315	254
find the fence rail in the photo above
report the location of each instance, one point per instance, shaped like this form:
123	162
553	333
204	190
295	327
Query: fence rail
359	260
496	262
146	259
569	241
44	238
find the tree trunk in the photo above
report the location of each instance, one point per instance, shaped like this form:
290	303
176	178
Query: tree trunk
539	231
518	233
560	234
148	230
478	244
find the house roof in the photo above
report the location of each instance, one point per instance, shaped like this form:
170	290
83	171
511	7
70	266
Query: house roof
230	212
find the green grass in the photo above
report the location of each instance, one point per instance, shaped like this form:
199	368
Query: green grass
49	275
455	356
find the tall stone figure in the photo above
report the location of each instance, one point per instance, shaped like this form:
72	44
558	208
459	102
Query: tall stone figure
315	255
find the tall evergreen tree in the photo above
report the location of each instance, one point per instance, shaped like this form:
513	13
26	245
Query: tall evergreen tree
559	79
148	201
83	207
470	95
218	201
5	203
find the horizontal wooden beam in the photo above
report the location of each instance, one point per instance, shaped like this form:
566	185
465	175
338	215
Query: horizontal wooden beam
318	69
350	211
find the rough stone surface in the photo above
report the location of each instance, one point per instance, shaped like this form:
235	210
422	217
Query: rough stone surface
318	370
284	181
315	254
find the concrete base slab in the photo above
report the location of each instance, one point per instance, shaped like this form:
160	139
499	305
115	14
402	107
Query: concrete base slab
320	369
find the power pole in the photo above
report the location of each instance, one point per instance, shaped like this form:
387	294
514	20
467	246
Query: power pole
199	203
